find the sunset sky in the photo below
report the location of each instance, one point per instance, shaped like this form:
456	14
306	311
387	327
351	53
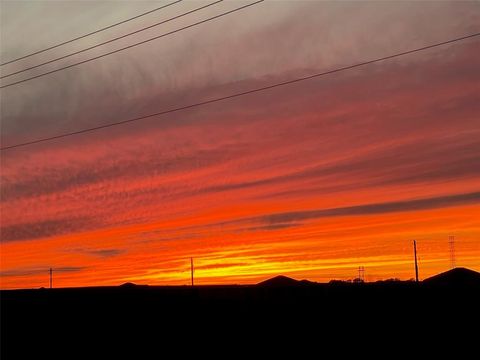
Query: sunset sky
308	180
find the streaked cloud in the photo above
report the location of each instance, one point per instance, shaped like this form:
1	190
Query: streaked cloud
370	209
38	270
44	228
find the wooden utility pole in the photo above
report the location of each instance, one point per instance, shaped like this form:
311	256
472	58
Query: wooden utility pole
51	277
191	269
416	262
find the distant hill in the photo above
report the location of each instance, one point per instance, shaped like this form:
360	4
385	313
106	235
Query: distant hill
454	277
129	285
281	280
458	276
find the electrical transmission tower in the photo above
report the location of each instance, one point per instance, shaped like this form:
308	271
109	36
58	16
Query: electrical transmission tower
361	274
451	243
191	269
416	262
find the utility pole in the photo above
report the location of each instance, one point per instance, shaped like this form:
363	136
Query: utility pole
51	277
416	262
191	269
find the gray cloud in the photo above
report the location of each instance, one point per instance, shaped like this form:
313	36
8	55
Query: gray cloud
297	218
412	162
370	209
283	35
28	271
45	228
272	227
144	164
103	253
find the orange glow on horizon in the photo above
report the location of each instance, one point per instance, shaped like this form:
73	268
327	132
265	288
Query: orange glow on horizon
320	251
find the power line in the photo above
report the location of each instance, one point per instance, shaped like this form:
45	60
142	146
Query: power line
109	41
240	93
133	45
91	33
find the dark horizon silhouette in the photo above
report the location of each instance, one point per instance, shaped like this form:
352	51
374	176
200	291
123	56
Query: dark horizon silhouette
454	276
36	315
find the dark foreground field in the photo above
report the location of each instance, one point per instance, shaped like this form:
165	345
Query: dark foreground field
81	317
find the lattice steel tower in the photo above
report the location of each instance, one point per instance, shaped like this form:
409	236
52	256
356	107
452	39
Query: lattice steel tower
451	243
361	274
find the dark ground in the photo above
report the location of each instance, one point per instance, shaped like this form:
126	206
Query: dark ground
89	318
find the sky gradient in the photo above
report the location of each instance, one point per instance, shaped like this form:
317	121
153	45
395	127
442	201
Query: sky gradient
309	180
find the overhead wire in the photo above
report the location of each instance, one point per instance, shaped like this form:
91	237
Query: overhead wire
110	41
89	34
132	45
259	89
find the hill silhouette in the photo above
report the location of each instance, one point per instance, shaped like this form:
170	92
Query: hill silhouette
128	285
280	281
455	277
